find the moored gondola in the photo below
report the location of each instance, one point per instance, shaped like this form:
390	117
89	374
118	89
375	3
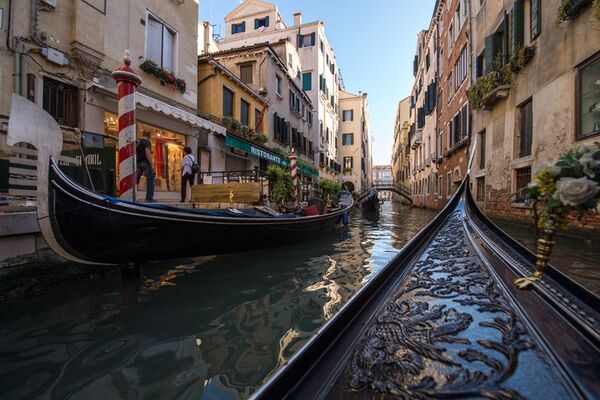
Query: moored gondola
444	320
87	227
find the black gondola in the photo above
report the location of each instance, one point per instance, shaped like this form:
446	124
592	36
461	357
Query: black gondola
104	230
87	227
371	203
444	320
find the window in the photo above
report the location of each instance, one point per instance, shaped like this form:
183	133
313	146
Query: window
479	65
246	73
307	40
261	22
61	101
227	102
1	17
460	68
281	129
348	115
525	129
348	162
258	120
440	184
517	28
450	87
244	112
449	184
347	139
523	178
309	115
307	81
588	99
278	85
238	28
450	39
480	189
160	46
482	150
535	15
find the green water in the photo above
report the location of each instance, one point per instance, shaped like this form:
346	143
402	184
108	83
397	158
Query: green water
214	328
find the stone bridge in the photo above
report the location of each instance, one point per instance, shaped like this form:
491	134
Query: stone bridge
389	186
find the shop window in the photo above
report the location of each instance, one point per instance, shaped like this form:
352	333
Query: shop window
227	102
523	178
246	73
61	101
525	129
160	43
244	112
481	189
347	139
588	99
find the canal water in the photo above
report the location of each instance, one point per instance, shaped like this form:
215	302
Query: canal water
211	328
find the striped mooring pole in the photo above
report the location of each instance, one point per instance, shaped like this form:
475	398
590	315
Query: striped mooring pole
127	81
294	172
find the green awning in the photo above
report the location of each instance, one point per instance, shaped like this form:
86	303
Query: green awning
246	147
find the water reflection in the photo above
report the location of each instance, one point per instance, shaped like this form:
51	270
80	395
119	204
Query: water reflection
214	328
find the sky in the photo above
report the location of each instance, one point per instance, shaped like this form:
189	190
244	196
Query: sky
374	43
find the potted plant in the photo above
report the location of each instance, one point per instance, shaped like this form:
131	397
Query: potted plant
571	185
282	190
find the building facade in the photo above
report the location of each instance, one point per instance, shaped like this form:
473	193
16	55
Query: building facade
315	66
453	132
424	172
355	141
61	54
401	148
550	103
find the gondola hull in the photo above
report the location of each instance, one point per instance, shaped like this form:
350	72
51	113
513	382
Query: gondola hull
371	204
99	229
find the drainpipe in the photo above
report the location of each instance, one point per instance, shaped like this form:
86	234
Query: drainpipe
17	69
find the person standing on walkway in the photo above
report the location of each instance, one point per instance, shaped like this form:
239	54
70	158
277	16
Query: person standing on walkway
144	164
188	171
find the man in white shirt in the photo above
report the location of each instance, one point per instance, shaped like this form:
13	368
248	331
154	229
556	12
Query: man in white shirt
187	174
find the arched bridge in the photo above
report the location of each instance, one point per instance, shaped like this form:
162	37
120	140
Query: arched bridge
389	186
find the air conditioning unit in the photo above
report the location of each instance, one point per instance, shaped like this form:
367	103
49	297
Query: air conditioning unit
49	3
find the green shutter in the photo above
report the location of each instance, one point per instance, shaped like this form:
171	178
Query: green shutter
489	54
517	16
535	18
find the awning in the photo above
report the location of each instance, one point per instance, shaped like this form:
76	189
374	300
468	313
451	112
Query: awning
265	154
178	113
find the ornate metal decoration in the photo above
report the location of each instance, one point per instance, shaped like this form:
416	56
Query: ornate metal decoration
421	346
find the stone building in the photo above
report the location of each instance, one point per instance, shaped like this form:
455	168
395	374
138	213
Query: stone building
356	142
401	147
453	133
255	21
551	103
60	53
423	177
286	120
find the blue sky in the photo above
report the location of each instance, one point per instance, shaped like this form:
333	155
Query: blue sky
374	43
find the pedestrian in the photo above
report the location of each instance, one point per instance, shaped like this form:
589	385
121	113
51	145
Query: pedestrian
189	168
144	164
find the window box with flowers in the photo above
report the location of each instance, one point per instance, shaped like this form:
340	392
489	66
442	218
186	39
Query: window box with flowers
166	77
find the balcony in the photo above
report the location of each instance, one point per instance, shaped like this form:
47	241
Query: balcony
417	139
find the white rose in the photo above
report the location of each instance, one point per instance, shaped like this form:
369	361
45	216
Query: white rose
588	164
575	191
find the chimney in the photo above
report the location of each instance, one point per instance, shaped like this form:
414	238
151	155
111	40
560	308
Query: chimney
298	18
208	35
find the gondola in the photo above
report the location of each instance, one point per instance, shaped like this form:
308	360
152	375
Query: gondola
444	319
371	204
87	227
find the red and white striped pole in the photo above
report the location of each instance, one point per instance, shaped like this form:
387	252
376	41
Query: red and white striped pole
127	81
294	172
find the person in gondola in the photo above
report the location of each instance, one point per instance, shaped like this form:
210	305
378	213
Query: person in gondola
372	192
188	173
144	164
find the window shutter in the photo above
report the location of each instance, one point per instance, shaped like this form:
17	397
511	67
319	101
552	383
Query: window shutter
312	39
489	55
256	23
267	21
517	15
243	27
299	41
232	29
535	18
